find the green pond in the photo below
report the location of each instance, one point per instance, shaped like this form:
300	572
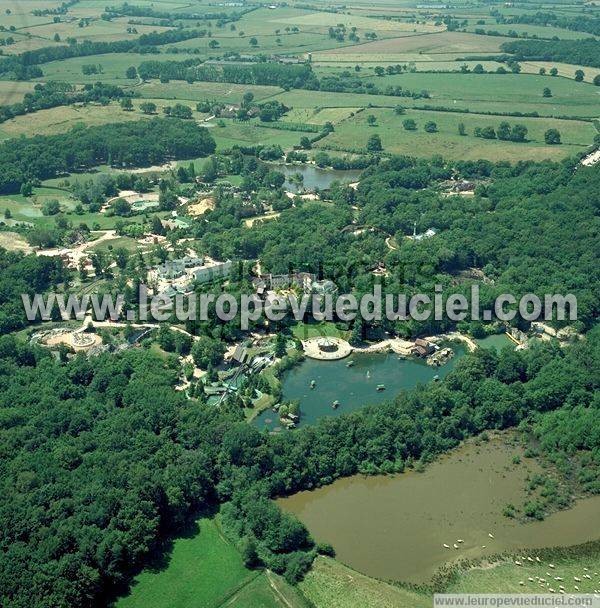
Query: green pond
496	341
354	386
395	527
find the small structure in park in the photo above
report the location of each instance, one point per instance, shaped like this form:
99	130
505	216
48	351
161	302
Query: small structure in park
327	346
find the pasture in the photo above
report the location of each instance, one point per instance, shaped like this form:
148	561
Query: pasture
61	119
430	43
198	91
330	584
355	132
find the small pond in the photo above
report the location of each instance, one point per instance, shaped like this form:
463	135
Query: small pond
314	177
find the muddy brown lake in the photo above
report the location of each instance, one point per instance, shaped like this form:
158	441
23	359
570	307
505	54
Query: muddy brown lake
395	527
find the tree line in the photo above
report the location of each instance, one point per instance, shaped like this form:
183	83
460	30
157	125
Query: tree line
134	144
580	52
53	94
25	65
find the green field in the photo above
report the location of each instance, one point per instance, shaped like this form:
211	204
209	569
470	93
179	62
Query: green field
113	68
355	132
332	585
205	570
217	91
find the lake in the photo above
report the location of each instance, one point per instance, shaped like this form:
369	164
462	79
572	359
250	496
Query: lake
394	527
354	387
314	177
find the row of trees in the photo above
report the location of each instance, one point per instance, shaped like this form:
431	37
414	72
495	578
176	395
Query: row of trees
577	52
53	94
25	65
276	74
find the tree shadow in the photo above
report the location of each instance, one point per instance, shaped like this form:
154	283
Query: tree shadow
159	558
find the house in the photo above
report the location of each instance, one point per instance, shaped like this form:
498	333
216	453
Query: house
422	348
240	355
175	223
229	111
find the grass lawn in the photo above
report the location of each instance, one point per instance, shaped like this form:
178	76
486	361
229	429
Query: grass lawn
203	570
446	141
120	242
304	331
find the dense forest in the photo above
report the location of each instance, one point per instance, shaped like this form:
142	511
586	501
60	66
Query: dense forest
134	144
518	230
581	52
579	23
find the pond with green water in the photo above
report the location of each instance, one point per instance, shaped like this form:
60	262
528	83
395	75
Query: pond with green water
353	382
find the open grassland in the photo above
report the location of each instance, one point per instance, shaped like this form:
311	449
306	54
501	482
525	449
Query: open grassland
517	92
355	132
63	118
113	66
431	65
268	591
330	584
214	91
97	30
320	19
528	30
12	91
467	92
566	70
506	576
318	116
442	42
248	134
202	570
13	241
